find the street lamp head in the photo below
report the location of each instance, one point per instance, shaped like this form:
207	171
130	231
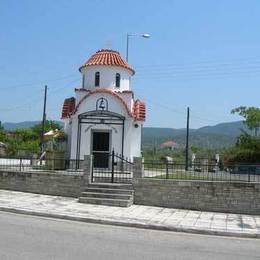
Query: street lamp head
146	35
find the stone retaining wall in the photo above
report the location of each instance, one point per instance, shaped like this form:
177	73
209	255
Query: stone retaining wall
241	198
58	184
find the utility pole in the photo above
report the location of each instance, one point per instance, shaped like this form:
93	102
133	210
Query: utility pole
43	117
187	140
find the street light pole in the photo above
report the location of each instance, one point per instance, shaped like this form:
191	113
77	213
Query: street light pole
144	35
127	46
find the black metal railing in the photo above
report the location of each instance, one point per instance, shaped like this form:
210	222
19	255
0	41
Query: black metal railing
112	168
37	165
205	172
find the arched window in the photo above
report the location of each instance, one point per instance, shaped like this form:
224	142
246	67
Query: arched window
117	80
97	79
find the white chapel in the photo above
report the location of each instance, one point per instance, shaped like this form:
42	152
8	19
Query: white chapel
104	115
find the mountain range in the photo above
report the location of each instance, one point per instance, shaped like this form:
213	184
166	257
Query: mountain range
218	136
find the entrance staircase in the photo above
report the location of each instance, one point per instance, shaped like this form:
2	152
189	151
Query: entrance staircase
114	194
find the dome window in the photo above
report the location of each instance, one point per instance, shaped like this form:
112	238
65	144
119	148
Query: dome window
97	79
118	80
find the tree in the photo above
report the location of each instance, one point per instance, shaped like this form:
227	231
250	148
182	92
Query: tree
195	149
49	125
247	148
251	117
26	139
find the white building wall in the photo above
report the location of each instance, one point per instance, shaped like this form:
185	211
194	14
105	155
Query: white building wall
107	77
136	140
79	95
74	131
132	135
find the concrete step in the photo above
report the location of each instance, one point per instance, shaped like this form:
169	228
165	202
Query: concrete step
107	202
107	195
107	190
112	186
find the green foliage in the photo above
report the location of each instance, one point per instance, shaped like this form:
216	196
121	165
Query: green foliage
251	117
194	149
247	147
247	150
26	139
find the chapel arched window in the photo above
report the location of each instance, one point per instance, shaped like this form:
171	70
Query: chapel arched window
118	78
97	79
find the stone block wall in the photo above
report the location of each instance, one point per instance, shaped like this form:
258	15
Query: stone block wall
241	198
69	185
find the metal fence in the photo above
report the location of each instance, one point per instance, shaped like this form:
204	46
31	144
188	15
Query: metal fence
205	172
37	165
111	168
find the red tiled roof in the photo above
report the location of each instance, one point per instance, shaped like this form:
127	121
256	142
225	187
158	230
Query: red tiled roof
107	57
169	144
68	107
139	110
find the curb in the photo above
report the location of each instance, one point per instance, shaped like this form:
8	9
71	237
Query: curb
134	225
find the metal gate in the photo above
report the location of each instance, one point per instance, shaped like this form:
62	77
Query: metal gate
111	168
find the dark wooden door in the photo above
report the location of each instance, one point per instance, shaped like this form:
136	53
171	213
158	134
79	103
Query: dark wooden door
101	149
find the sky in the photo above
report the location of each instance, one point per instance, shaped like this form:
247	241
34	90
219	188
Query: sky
203	54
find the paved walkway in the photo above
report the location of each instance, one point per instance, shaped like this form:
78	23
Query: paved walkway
136	215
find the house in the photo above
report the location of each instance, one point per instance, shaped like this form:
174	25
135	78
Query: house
104	115
171	145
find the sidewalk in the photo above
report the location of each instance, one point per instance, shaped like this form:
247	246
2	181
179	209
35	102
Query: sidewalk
134	216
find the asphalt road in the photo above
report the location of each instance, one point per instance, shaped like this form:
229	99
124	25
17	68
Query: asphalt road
27	237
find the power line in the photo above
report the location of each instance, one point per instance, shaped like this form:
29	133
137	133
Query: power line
196	74
182	112
38	83
65	86
203	62
28	104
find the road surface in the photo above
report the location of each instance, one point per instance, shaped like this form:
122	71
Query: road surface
27	237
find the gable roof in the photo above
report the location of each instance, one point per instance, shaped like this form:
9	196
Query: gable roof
68	107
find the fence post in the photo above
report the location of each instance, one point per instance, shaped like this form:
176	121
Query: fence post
20	165
113	166
167	170
87	169
138	171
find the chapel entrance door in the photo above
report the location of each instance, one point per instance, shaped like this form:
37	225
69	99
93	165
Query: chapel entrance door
100	149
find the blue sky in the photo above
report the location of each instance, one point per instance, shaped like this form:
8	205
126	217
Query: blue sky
203	54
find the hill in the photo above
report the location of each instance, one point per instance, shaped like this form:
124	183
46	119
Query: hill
218	136
24	124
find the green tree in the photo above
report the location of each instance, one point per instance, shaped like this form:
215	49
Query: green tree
247	148
251	117
195	149
26	139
